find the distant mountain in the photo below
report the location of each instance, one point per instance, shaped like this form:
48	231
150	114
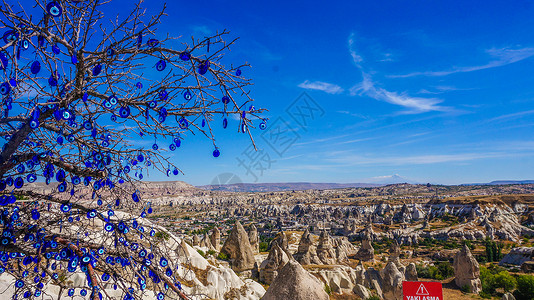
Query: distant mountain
503	182
282	186
389	179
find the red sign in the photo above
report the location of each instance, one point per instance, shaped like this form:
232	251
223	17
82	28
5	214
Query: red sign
418	290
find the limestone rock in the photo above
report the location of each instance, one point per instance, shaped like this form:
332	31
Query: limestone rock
254	239
517	256
206	242
411	273
366	251
343	249
295	283
508	296
196	240
325	252
394	254
281	240
467	270
306	253
361	291
276	260
215	238
238	249
392	280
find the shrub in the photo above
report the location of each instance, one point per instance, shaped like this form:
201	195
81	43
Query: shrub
327	289
222	256
465	289
201	253
211	252
525	287
442	271
264	246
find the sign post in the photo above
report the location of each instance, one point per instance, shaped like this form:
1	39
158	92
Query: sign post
422	290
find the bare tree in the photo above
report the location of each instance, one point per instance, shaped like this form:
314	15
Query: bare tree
77	90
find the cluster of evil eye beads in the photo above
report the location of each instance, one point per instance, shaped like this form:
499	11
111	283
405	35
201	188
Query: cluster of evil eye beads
27	170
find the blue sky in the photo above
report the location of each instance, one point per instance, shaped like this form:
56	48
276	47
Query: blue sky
435	91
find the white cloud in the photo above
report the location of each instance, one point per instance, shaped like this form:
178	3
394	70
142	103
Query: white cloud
326	87
357	59
368	88
502	57
414	104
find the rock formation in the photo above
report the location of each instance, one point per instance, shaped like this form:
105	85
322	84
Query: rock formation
306	253
325	252
394	254
196	240
411	273
276	260
281	240
238	249
392	280
361	291
295	283
254	239
215	238
366	251
467	271
508	296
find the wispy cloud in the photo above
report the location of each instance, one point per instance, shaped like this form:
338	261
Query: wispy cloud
501	57
357	59
326	87
370	89
414	104
513	115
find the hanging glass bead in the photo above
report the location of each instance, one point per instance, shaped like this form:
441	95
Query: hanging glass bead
203	67
160	66
124	111
225	123
97	69
35	67
55	49
238	72
263	125
187	95
139	40
152	43
216	153
5	88
54	9
110	52
225	99
185	56
183	123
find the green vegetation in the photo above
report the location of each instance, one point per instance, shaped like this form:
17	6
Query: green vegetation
162	235
222	256
327	289
442	271
448	244
496	278
201	253
525	287
203	230
373	297
493	250
211	252
264	246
